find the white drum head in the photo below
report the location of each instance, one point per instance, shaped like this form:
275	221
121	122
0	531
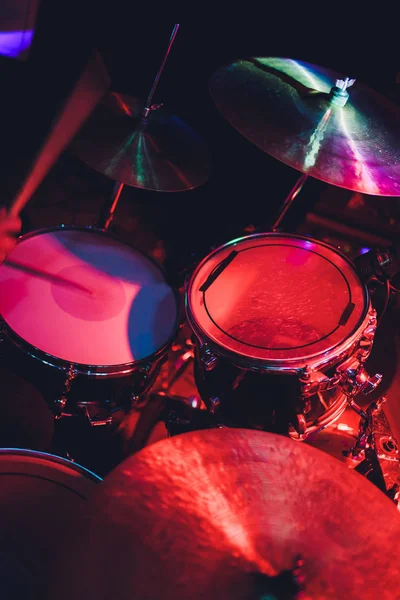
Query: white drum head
279	298
107	304
40	496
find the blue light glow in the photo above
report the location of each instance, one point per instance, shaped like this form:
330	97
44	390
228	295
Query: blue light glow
14	43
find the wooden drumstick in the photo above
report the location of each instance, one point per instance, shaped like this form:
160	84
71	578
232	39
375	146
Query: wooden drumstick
77	108
48	276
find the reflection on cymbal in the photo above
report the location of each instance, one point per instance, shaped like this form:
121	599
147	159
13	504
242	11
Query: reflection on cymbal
158	153
219	513
285	107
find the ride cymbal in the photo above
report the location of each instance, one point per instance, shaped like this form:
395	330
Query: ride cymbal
159	152
225	513
287	109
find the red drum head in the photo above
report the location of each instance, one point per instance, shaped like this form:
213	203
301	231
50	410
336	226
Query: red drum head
279	298
107	304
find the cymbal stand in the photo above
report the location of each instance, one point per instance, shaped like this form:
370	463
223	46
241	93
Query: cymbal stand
287	203
107	214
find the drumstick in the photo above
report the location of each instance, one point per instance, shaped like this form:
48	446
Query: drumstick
48	276
86	94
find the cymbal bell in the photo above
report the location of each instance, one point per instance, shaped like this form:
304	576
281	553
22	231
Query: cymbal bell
158	152
292	110
212	513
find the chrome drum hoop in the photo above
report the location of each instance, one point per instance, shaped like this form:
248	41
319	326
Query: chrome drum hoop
323	267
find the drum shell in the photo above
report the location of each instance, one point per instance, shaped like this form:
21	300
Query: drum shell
264	392
102	388
255	399
109	394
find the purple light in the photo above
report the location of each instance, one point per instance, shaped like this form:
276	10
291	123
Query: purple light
364	250
14	43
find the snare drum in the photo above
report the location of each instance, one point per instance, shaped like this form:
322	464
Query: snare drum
283	326
88	317
40	494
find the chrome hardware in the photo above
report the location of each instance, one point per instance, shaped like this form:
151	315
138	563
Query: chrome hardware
59	403
214	404
350	374
371	384
96	415
301	425
358	381
208	359
148	109
375	436
145	368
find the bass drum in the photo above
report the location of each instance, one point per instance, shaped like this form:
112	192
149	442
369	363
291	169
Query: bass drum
39	496
282	327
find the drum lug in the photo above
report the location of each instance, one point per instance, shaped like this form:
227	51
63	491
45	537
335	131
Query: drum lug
145	368
59	403
208	359
315	381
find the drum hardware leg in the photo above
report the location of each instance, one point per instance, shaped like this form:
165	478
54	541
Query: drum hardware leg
108	211
184	414
294	192
179	367
377	448
60	403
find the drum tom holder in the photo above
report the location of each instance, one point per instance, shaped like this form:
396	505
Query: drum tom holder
350	376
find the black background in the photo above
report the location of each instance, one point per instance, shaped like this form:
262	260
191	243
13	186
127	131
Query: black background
246	186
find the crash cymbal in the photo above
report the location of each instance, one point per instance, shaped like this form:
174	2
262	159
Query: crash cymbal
158	153
224	513
286	108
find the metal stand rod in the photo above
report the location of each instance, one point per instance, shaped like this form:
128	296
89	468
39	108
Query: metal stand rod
149	100
108	211
298	186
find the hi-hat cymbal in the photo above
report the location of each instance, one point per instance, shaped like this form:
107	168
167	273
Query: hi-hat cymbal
222	513
158	153
285	108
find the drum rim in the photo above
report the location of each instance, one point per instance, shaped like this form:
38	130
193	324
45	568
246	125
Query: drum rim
51	458
87	369
323	358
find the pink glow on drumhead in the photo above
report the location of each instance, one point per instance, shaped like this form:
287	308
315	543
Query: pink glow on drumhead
107	303
279	297
104	298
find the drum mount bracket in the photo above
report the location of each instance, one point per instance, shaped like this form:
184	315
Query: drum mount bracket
377	451
350	375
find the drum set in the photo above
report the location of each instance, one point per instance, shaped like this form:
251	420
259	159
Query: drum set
278	329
